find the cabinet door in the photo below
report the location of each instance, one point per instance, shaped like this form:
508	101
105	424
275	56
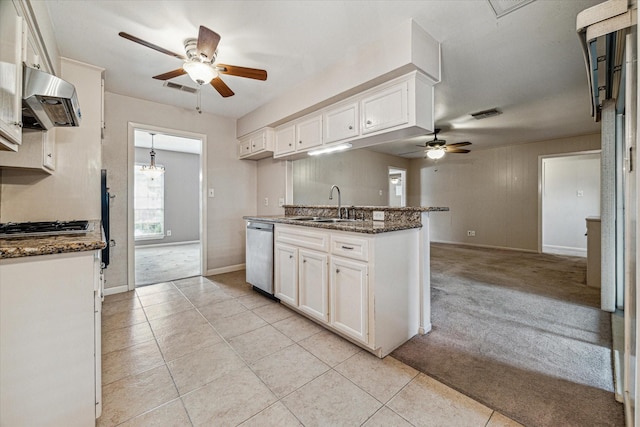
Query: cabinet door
286	274
49	149
341	123
349	285
309	133
245	147
258	142
385	109
10	73
285	140
313	284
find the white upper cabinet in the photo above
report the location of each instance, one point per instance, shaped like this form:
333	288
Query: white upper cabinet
385	109
10	77
37	152
285	140
257	145
341	122
309	133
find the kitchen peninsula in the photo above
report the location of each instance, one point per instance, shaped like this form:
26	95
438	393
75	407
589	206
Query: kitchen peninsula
50	341
364	279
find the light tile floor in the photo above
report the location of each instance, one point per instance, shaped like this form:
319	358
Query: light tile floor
211	351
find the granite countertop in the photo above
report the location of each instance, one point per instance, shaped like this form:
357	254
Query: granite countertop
377	208
366	226
17	247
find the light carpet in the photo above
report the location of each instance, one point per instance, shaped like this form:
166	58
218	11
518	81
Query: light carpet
521	333
157	264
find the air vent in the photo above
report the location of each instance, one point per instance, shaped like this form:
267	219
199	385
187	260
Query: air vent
485	114
183	88
503	7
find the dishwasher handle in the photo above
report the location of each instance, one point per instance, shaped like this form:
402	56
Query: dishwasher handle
263	226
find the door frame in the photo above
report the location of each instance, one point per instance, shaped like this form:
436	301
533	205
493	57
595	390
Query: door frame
131	127
541	183
403	174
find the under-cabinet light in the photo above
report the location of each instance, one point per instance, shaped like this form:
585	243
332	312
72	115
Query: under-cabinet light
340	147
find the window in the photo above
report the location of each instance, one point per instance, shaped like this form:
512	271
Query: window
148	205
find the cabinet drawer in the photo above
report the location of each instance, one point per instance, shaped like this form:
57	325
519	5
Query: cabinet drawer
350	247
303	237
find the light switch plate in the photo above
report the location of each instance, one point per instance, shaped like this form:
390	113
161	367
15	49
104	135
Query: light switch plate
211	192
378	215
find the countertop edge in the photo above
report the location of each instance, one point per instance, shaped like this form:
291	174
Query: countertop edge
363	227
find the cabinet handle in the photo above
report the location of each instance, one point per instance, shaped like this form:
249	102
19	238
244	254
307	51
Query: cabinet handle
337	270
369	122
349	248
36	66
350	127
49	155
254	145
304	260
289	144
19	124
299	142
290	256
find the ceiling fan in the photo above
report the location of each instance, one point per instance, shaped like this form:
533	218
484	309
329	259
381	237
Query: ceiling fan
437	148
199	61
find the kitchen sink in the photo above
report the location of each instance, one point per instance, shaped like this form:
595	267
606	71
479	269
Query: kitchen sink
319	219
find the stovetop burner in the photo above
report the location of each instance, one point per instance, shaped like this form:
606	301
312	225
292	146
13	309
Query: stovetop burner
43	228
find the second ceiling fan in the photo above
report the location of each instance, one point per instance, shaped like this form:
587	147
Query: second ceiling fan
437	148
199	61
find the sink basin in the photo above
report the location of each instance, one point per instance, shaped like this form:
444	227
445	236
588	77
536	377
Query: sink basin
334	220
305	218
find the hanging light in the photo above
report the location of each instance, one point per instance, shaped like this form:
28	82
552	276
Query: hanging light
152	170
200	72
436	153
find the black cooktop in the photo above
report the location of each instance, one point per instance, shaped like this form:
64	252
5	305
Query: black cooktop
43	228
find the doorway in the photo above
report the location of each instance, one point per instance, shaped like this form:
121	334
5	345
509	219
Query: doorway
570	191
397	187
166	205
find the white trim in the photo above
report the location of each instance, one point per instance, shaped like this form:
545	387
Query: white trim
190	242
475	245
132	126
228	269
115	290
564	250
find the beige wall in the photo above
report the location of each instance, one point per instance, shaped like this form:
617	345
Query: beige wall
73	190
493	191
271	177
360	174
234	181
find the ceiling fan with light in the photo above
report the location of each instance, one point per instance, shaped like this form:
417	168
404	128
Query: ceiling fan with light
437	148
199	61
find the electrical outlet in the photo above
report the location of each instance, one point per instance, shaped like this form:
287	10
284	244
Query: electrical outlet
281	201
168	233
266	201
471	233
378	215
580	193
211	192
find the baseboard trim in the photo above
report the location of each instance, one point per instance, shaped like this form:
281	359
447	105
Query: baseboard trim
115	290
564	250
475	245
228	269
159	245
423	330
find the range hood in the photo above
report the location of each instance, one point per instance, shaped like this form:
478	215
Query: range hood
48	101
602	30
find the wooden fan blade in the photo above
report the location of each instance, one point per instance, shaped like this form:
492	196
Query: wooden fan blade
170	74
207	42
221	87
457	150
459	144
150	45
250	73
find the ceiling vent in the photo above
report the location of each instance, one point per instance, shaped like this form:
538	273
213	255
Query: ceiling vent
503	7
485	114
183	88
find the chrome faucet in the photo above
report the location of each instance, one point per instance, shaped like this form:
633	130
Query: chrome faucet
339	199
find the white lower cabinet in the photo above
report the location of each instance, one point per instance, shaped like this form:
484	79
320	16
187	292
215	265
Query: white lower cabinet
50	354
286	273
313	284
363	287
349	287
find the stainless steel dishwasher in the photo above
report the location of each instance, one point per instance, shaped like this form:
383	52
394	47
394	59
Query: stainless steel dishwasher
259	258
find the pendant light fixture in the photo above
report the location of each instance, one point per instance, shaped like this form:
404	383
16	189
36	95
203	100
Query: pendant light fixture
152	170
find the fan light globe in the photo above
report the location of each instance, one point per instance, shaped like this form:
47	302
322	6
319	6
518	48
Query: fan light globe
200	72
435	154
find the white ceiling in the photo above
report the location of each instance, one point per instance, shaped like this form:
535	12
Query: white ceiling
528	63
